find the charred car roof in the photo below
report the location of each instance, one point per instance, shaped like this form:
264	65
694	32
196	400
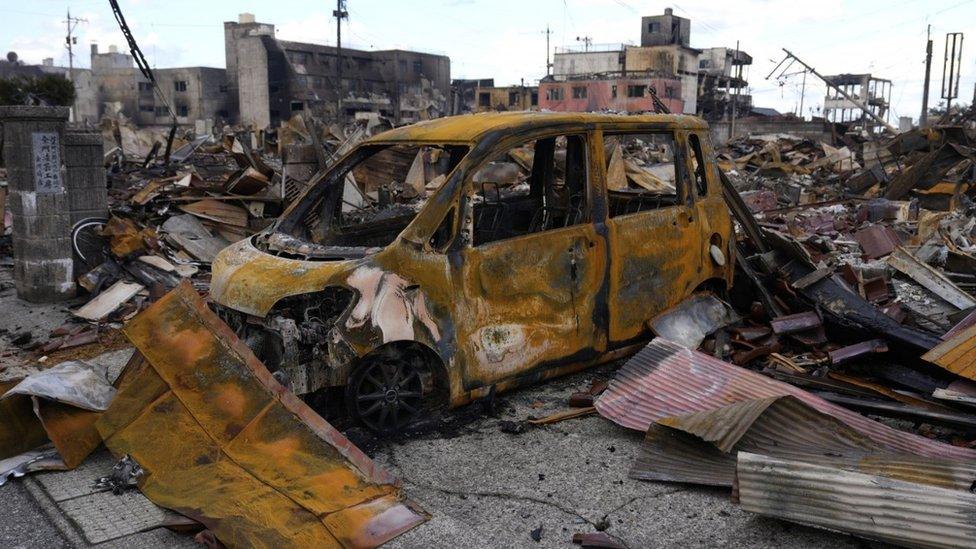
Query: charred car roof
471	128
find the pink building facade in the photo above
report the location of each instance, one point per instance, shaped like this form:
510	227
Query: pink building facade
630	94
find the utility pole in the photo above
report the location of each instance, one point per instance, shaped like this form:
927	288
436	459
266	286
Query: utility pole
924	117
856	102
548	32
70	40
339	13
803	94
735	97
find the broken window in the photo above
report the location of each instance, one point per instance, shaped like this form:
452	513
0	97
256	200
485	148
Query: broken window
182	111
297	106
161	111
403	66
613	91
579	92
418	67
654	27
513	99
669	92
554	94
698	164
535	187
374	195
484	99
635	90
642	172
180	85
535	98
145	87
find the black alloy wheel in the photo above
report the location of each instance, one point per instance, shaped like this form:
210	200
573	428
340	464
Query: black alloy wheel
385	393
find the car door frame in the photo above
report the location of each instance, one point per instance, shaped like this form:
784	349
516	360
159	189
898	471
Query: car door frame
492	351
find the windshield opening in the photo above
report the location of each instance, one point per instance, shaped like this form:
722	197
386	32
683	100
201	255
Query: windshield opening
370	199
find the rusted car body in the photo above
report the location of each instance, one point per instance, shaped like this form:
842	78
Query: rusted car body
436	303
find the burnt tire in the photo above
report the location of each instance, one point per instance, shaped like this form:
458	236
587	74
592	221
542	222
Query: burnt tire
386	392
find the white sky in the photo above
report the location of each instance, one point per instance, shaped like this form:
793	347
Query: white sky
504	39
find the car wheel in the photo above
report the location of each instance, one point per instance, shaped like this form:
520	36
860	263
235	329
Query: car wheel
385	393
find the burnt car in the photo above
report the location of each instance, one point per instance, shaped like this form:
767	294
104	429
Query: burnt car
436	263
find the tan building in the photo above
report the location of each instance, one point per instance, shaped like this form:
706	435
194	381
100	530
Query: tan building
506	98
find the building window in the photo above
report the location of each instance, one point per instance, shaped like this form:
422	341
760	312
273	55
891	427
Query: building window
418	67
705	64
299	57
146	108
318	82
669	92
145	87
182	111
223	114
535	98
654	27
161	111
273	89
325	59
579	92
223	88
297	106
613	91
484	99
180	85
636	91
554	94
403	65
513	99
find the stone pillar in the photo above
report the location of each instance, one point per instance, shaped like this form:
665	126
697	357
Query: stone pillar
87	191
33	150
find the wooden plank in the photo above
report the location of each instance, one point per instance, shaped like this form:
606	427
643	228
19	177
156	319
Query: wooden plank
109	300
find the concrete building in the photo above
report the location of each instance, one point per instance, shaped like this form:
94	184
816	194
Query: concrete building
610	93
276	79
85	108
506	98
194	93
872	91
721	82
597	59
464	93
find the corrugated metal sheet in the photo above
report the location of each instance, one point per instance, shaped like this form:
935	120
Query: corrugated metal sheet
958	354
224	443
871	506
700	448
665	379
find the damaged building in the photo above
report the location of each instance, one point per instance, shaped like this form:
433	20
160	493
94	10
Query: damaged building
620	77
872	91
274	80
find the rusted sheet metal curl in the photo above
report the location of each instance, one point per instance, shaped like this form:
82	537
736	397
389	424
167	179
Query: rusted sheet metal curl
224	443
665	379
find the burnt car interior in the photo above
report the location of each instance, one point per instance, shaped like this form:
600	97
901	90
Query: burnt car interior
642	171
373	196
530	189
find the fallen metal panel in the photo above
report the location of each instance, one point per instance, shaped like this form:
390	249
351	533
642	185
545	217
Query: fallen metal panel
224	443
20	431
665	379
881	508
957	355
700	448
73	382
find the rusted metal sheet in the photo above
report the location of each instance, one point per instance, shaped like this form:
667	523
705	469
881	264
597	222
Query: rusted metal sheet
225	444
20	430
877	240
850	352
957	354
894	511
665	379
799	322
700	448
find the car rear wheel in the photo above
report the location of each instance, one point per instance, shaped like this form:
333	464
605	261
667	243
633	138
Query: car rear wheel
385	393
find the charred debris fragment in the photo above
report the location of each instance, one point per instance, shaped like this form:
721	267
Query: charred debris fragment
834	383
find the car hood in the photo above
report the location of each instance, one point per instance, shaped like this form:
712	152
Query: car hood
249	280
